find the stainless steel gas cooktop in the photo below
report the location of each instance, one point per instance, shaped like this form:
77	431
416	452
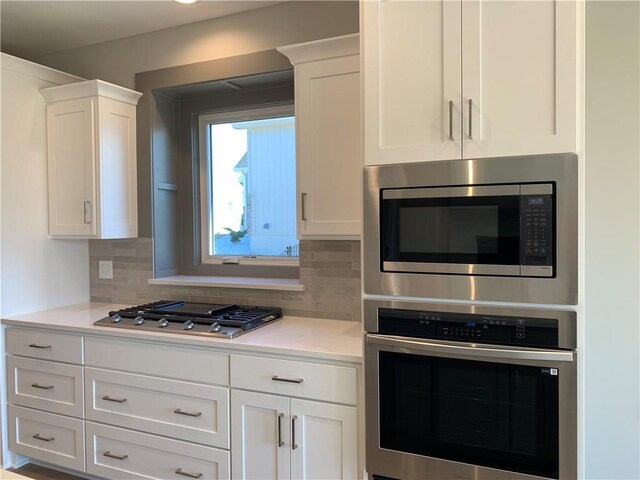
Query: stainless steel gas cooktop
210	320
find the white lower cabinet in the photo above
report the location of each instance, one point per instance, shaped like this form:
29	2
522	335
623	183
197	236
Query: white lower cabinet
118	453
324	441
184	410
50	386
280	438
260	436
156	411
52	438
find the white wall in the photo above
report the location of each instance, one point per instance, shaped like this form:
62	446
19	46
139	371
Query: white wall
37	272
247	32
612	242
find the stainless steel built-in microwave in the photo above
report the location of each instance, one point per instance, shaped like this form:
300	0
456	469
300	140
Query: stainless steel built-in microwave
492	229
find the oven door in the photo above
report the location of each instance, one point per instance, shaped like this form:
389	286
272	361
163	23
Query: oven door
454	410
454	230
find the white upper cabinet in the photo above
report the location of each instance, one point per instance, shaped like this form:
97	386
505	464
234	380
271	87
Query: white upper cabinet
91	151
328	151
411	53
469	79
520	77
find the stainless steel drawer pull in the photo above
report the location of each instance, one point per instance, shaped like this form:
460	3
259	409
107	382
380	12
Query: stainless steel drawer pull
116	400
280	441
303	206
187	474
451	137
471	119
294	445
43	387
35	345
87	211
276	378
37	436
113	455
188	414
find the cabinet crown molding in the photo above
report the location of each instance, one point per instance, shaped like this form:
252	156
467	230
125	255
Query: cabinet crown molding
90	88
322	49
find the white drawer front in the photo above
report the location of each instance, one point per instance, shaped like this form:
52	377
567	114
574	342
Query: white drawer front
192	364
59	347
50	386
297	379
198	413
47	437
117	453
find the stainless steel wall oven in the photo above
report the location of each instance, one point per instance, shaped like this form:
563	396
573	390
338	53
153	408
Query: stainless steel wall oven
469	392
490	229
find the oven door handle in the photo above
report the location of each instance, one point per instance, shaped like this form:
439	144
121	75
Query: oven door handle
474	350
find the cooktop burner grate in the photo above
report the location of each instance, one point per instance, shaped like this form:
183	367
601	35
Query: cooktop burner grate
220	320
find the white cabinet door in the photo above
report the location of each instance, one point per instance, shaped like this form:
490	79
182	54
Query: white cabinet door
118	175
412	80
324	442
260	436
328	148
519	81
71	153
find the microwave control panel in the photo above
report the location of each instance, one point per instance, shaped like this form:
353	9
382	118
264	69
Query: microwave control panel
536	223
463	327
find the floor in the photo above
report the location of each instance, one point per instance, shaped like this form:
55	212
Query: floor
36	472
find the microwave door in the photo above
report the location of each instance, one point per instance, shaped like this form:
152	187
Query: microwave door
457	230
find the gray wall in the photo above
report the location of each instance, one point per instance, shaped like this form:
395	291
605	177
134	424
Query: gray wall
329	271
612	241
243	33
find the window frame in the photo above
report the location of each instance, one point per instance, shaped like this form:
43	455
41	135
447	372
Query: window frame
205	188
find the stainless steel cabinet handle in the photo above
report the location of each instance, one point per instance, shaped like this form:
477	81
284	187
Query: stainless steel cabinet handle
37	436
116	400
470	119
294	445
43	387
451	121
276	378
87	211
35	345
406	344
113	455
188	414
303	206
280	441
187	474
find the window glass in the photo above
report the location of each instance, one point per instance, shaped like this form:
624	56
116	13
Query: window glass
252	188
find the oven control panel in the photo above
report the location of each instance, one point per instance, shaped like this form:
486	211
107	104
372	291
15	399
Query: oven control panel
464	327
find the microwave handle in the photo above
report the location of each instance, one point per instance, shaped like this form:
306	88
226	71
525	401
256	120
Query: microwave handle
411	344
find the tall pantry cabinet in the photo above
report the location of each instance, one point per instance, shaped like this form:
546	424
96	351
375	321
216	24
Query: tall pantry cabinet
469	79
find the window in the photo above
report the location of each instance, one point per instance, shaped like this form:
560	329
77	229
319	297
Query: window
248	186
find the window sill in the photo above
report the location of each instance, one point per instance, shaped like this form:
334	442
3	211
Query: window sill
255	283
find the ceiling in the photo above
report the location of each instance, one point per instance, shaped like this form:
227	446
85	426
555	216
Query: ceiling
30	29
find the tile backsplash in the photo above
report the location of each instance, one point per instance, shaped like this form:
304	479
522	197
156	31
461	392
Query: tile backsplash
329	271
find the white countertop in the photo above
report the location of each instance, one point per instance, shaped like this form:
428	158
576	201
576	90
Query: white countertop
324	339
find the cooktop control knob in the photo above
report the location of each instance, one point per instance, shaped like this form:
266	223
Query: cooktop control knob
138	320
188	325
215	327
163	322
115	318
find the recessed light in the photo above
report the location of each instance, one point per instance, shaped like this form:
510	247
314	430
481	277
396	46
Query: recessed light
185	1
